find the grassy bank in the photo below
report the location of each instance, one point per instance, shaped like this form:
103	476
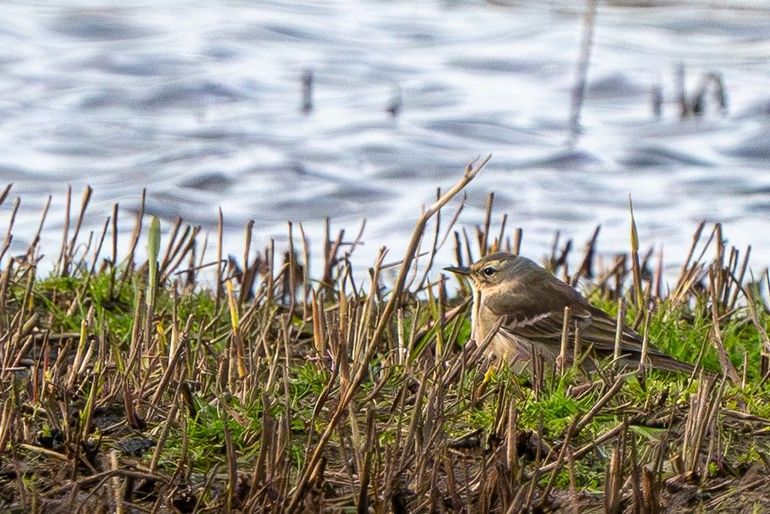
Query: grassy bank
129	387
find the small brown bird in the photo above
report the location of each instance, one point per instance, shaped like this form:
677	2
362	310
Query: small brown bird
531	303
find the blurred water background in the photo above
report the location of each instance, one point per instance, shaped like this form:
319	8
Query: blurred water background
200	102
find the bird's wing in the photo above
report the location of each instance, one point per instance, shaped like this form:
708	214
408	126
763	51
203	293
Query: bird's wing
538	315
601	334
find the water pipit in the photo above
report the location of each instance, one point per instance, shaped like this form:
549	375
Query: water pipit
529	303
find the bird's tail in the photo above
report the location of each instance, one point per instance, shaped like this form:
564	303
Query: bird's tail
667	363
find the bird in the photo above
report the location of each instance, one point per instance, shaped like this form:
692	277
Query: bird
528	302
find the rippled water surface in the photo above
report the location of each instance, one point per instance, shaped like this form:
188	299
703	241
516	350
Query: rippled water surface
199	102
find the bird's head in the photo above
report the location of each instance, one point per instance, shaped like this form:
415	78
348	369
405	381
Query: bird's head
491	270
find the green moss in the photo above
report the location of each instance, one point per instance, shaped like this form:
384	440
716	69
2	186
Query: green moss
556	408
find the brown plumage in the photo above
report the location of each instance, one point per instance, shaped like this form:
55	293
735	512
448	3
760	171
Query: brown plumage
531	302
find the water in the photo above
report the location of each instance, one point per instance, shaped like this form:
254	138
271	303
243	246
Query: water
199	102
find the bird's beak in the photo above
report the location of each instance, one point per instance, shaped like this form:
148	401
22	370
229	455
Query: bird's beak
459	270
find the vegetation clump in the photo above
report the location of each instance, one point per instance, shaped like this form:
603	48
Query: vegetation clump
146	388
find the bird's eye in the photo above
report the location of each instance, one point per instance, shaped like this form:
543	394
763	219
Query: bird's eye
488	271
